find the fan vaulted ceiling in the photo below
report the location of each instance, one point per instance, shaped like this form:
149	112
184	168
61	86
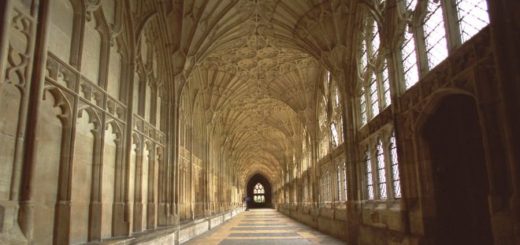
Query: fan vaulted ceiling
254	64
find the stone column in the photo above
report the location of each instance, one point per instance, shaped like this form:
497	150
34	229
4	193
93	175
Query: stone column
26	214
127	206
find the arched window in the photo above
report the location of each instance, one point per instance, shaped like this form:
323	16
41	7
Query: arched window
382	173
465	18
259	193
330	116
374	83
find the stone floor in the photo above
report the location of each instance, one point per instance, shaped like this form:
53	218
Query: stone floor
263	226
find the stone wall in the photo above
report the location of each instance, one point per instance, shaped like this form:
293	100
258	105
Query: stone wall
84	98
471	70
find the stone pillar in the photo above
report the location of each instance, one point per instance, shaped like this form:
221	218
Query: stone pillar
26	214
125	229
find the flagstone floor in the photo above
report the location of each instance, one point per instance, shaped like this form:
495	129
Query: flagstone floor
263	227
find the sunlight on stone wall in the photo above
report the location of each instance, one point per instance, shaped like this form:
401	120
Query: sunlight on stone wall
82	178
61	27
45	181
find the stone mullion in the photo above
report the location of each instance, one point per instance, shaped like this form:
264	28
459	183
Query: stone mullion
419	39
453	37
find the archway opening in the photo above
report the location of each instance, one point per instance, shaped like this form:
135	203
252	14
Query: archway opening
259	191
460	180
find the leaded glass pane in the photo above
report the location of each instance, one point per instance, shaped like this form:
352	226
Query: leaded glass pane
409	56
364	56
396	183
381	173
410	4
370	192
374	39
368	176
386	85
363	106
374	97
435	34
472	17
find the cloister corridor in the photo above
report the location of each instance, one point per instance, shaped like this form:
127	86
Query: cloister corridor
263	227
359	122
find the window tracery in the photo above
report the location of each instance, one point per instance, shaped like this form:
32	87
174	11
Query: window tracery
427	40
381	156
341	181
330	116
373	83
